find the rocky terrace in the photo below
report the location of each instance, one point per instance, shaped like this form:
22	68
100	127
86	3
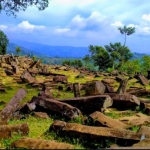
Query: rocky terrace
76	108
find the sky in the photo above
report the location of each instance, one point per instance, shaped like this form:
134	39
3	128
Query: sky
81	23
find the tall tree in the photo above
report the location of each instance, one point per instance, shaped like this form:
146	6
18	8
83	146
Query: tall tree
13	6
18	50
126	31
3	43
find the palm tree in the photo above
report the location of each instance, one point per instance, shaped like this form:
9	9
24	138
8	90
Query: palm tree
126	31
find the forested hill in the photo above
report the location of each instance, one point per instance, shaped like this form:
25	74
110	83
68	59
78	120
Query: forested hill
40	50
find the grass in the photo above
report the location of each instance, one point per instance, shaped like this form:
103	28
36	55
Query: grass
38	127
115	115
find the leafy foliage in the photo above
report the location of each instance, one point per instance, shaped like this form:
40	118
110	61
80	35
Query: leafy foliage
18	49
100	57
131	67
145	64
3	43
13	6
75	63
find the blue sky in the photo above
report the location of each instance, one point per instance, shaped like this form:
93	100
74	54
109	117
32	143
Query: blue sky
82	23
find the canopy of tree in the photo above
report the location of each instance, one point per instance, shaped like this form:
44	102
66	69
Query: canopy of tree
126	31
13	6
3	42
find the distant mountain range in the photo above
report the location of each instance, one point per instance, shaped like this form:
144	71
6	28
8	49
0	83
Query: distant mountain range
41	50
54	51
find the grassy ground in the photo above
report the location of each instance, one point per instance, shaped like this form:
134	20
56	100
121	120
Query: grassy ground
38	126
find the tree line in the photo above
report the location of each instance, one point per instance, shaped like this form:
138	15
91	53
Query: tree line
113	56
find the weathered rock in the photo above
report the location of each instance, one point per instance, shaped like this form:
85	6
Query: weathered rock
12	106
123	86
142	79
58	78
9	72
41	115
57	106
76	89
107	121
124	101
6	131
138	91
138	119
69	87
30	143
45	68
90	104
115	73
109	81
145	105
45	92
109	89
26	76
33	71
81	75
92	133
15	69
2	89
32	64
95	88
145	131
143	143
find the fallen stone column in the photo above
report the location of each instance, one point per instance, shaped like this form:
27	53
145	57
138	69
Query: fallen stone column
91	132
90	104
57	106
6	131
30	143
107	121
76	89
12	106
124	101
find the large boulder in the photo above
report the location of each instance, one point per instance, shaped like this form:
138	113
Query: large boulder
95	88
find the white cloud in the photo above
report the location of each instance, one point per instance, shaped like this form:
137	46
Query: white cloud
117	24
61	30
3	27
27	27
143	30
92	22
146	17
